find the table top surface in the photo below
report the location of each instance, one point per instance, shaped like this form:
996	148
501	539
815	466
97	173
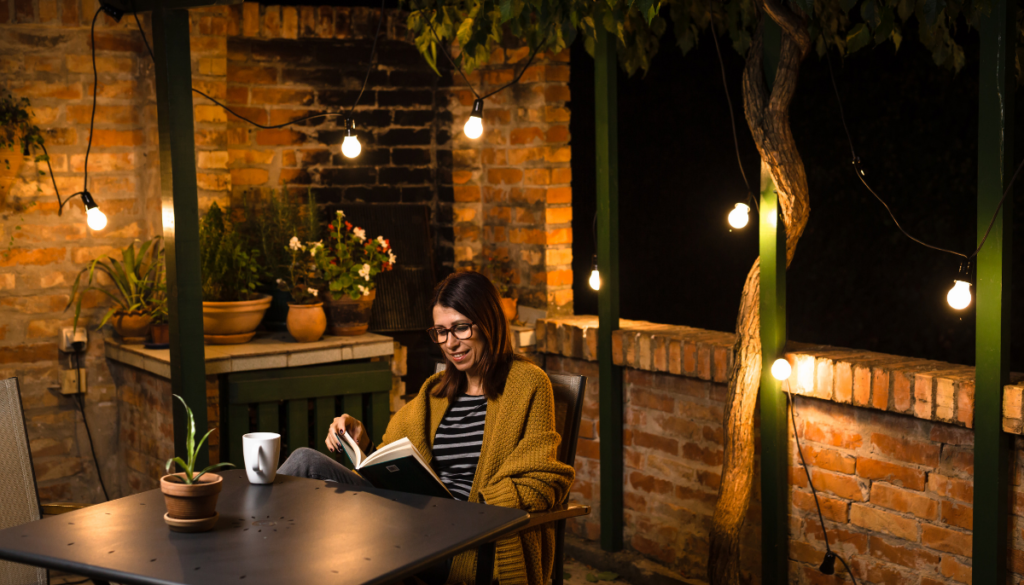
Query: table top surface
293	531
265	351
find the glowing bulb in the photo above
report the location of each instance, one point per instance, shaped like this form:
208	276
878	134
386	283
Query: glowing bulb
739	216
959	297
781	369
96	219
350	147
474	127
595	279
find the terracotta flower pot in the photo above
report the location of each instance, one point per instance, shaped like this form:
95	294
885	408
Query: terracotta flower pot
510	307
192	502
160	333
226	323
348	317
132	327
306	323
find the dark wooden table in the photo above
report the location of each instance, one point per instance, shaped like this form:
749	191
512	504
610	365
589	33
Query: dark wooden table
294	531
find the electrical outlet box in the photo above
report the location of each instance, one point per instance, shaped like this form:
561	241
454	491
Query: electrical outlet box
72	381
69	335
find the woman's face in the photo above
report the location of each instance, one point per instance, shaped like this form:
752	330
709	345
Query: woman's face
464	353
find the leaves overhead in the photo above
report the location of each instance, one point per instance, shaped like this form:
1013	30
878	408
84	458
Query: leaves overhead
479	27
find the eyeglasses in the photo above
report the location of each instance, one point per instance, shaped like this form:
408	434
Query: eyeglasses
460	331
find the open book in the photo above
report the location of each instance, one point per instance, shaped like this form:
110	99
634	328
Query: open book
397	466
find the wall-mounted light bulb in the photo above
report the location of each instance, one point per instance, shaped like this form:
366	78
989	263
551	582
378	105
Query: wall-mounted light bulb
350	146
595	275
96	219
781	369
474	127
739	217
959	297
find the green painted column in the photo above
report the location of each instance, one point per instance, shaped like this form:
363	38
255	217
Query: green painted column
996	81
774	428
610	380
180	210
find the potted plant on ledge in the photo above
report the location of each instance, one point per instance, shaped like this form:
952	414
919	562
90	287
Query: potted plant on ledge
191	497
350	262
137	278
501	273
232	309
306	319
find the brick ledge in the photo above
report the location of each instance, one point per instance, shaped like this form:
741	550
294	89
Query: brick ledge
925	389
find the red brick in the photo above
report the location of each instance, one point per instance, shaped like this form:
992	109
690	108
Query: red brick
877	520
954	569
588	448
946	540
36	257
908	450
667	445
899	553
957	461
844	486
906	501
280	137
903	386
710	457
649	484
851	541
951	435
69	12
242	177
253	75
952	487
880	389
28	353
833	509
830	459
504	176
829	435
958	515
891	472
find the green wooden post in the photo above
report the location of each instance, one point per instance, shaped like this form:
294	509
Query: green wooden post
610	378
774	428
180	204
995	167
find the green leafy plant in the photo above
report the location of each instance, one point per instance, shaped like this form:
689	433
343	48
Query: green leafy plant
231	269
192	453
16	127
138	278
305	279
266	224
502	274
350	261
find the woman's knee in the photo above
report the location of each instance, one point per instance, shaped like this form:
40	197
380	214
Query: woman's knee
300	460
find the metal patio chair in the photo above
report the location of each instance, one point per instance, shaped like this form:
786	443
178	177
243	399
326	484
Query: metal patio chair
569	391
19	499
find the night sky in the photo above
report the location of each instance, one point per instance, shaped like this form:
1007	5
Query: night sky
855	281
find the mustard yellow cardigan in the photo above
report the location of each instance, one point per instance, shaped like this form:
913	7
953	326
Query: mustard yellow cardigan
518	467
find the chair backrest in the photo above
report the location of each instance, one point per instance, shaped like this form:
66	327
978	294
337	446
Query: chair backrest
569	390
19	500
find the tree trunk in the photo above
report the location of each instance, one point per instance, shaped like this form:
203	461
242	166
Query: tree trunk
767	116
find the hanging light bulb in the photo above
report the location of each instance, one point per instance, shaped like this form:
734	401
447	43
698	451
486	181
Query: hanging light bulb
350	146
739	216
474	127
781	369
93	216
595	275
959	297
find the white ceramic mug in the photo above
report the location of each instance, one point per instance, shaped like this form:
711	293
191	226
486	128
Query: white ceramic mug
261	451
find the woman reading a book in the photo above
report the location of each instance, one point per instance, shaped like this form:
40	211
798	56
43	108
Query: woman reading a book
486	425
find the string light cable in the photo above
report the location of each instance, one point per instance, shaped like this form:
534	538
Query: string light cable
350	145
80	403
828	563
474	127
959	295
740	214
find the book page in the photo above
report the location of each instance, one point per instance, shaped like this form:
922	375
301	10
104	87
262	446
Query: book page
397	450
355	454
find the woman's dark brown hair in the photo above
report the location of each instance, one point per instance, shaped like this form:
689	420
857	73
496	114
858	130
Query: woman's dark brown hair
473	295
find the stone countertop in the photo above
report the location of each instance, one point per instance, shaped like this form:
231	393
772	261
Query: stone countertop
266	351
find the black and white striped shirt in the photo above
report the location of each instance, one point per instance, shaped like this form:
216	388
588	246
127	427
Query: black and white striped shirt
457	444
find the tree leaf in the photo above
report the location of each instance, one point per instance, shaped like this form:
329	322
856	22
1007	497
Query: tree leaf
591	578
805	6
506	10
858	37
607	576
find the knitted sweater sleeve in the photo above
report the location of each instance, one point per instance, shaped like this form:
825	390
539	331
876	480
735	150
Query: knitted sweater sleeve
532	478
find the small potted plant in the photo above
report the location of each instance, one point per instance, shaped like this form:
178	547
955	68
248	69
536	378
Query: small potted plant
191	497
350	261
159	329
137	278
232	309
306	319
501	273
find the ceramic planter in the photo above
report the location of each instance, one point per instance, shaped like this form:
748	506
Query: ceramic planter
348	317
190	508
132	327
228	323
510	307
160	333
276	316
306	323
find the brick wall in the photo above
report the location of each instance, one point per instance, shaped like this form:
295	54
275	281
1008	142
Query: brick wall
895	476
45	56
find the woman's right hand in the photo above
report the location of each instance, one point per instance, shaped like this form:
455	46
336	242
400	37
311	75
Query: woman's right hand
347	424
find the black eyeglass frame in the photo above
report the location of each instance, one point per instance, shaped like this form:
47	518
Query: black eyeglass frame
434	333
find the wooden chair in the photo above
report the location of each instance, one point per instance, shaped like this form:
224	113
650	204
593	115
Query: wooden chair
19	500
569	391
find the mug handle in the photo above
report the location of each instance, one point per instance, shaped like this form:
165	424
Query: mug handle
256	462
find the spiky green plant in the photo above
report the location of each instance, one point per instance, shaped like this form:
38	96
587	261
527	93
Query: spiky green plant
138	277
193	453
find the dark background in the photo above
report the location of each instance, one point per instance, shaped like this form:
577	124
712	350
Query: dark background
856	281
